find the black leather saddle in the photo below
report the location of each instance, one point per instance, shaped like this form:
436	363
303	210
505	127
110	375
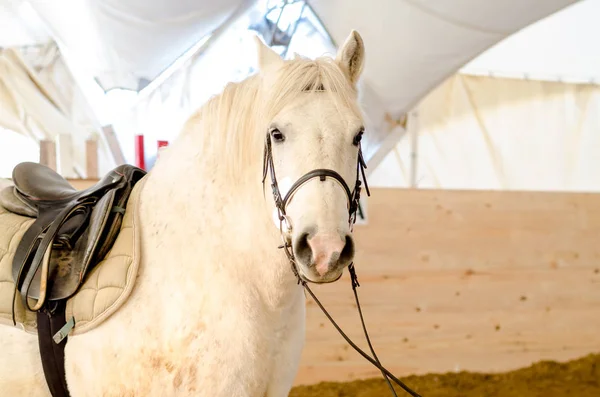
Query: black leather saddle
73	230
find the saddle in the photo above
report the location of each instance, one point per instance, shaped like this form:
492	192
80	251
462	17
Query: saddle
73	230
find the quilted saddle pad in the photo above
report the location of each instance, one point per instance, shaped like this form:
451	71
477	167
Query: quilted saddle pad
107	285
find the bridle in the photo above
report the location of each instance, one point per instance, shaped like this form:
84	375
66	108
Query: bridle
281	202
353	196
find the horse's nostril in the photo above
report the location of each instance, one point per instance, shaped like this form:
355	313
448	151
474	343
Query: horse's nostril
348	252
302	250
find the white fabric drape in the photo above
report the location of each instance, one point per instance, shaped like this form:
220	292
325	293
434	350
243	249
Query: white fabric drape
45	104
480	132
25	106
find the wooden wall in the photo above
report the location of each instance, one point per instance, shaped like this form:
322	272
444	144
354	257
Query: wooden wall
453	280
473	280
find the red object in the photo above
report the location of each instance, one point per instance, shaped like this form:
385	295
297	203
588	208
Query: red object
140	158
159	145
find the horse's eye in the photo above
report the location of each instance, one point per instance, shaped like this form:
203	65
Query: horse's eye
277	135
358	137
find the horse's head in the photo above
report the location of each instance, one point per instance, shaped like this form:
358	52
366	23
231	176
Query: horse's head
312	132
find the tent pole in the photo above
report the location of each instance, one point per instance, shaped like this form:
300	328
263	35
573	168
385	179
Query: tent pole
48	153
91	159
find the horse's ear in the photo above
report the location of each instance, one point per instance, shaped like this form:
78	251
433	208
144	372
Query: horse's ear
266	56
351	56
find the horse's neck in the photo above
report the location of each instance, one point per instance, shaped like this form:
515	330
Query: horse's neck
194	218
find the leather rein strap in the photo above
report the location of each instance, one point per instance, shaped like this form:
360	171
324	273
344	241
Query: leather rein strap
353	203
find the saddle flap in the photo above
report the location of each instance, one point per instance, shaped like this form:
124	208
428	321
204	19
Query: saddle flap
68	265
11	201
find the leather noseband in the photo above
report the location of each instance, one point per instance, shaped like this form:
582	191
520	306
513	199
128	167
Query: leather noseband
281	203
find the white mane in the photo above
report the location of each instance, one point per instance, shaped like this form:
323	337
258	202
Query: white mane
229	129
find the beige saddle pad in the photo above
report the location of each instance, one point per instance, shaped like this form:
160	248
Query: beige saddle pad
106	288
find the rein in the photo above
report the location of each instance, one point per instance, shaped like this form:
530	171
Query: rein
353	203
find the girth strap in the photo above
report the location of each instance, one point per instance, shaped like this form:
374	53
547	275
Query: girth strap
49	322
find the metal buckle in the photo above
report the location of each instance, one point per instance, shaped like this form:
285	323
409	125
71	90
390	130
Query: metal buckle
288	225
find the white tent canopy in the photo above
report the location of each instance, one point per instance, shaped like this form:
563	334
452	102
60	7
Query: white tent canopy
523	115
125	44
412	45
562	47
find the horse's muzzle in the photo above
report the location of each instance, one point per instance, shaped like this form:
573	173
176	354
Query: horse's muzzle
323	256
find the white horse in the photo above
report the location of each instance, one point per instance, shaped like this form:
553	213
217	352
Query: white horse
216	310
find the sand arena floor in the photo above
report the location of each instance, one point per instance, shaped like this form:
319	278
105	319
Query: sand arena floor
579	378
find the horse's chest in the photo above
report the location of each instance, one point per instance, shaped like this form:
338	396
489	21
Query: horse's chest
219	354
